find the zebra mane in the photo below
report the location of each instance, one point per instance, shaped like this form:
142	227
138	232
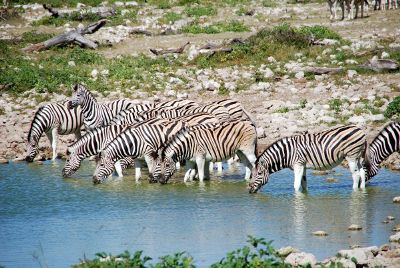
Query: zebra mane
39	110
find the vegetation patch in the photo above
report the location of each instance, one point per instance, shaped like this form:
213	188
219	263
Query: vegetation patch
198	11
232	26
393	109
170	18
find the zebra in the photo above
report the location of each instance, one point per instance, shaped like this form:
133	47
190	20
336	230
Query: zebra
384	144
91	144
207	142
53	119
322	150
99	114
143	140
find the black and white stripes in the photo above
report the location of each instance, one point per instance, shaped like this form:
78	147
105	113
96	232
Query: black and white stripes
383	145
53	119
323	150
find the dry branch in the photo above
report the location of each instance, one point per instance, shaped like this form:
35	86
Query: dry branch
140	31
379	65
322	70
101	13
160	51
75	36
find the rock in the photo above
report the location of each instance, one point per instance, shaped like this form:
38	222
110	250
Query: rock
351	73
331	180
260	132
268	73
260	86
390	218
345	263
71	63
18	159
354	227
396	228
170	93
357	120
211	85
395	237
94	73
271	59
385	55
326	42
301	259
299	75
362	255
320	233
182	95
327	119
284	252
131	4
3	161
396	199
384	247
376	117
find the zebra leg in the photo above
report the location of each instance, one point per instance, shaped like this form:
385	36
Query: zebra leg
304	179
362	175
200	162
248	159
298	175
219	166
54	134
211	166
178	165
353	166
138	171
118	168
207	170
191	171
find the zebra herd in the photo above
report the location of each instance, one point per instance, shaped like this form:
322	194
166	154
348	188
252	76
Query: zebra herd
356	5
168	133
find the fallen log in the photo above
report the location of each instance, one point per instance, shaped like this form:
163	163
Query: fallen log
98	12
379	65
140	31
322	70
160	51
75	36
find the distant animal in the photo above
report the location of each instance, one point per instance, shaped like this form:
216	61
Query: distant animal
207	142
332	8
384	144
143	140
91	144
53	119
322	150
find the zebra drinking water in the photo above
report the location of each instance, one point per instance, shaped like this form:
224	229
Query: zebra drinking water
203	143
91	144
143	140
384	144
322	150
53	119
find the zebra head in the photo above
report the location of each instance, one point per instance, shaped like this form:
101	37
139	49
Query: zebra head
164	169
104	167
72	164
260	176
31	150
78	96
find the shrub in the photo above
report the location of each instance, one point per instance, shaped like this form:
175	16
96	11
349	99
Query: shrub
199	11
393	109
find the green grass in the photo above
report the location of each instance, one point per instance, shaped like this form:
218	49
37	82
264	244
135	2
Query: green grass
268	3
335	105
170	17
393	109
320	32
232	26
198	11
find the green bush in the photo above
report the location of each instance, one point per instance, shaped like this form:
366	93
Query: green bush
393	109
232	26
320	32
199	11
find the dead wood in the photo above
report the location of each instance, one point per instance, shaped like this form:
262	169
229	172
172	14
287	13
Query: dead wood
160	51
379	65
75	36
140	31
100	13
322	70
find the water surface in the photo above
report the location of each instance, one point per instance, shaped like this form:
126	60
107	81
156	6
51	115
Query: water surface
46	220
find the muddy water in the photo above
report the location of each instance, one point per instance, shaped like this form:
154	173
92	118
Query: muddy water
47	220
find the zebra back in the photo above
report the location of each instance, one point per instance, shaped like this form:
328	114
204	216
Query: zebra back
220	141
384	144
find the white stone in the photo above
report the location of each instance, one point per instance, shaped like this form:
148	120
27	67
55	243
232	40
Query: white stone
268	73
301	259
211	85
94	73
385	55
105	72
320	233
131	4
260	86
350	61
351	73
182	95
271	59
119	4
362	255
231	86
71	63
358	120
396	199
376	117
283	252
327	119
299	75
170	93
260	132
354	227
